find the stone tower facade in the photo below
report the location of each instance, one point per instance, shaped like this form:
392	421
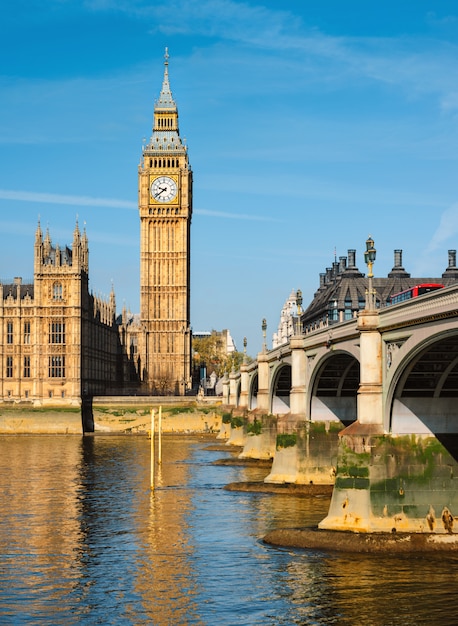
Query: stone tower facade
165	208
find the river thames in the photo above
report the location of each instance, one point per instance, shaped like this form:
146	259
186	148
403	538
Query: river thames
83	540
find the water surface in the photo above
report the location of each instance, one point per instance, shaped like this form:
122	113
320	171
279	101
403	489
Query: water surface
83	540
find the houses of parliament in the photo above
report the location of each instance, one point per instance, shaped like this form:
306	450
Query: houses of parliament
60	344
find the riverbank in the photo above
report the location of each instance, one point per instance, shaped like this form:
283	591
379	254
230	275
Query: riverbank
117	418
20	420
181	419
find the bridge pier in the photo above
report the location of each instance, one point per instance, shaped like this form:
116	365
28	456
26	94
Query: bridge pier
261	435
306	452
237	431
389	483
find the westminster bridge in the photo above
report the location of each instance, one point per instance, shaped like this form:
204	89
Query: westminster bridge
369	405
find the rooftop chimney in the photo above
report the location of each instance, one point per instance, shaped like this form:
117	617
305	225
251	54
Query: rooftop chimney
351	259
350	270
451	273
398	270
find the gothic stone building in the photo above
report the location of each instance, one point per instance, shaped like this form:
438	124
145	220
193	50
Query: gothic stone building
58	342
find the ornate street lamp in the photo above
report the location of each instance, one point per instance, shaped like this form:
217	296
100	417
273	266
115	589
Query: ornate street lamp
299	301
369	258
264	329
244	349
299	309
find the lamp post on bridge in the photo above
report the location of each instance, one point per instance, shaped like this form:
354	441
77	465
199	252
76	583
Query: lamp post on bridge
244	349
369	259
264	329
299	310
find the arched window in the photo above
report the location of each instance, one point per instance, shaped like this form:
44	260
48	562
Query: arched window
57	291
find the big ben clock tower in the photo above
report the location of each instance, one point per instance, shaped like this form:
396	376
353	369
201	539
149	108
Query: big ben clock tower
165	206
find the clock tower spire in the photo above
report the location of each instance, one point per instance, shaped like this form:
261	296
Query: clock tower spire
165	208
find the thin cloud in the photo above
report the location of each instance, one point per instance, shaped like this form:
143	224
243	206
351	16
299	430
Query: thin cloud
418	65
448	228
52	198
235	216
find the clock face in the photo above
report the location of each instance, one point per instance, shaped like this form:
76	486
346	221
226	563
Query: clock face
163	189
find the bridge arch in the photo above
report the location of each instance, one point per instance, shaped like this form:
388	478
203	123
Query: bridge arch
334	388
280	401
253	391
423	390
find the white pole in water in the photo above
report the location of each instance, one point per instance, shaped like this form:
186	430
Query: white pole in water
159	433
152	449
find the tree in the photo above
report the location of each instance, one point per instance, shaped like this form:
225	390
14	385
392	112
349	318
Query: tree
233	361
210	351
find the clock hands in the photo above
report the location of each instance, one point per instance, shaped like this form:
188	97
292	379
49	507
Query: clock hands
163	189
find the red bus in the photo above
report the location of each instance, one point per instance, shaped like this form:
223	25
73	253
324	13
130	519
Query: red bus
414	292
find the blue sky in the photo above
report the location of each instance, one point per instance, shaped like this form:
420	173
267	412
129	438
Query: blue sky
310	125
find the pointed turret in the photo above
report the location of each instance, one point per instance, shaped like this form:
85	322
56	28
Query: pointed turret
76	247
38	248
47	246
165	136
76	235
166	100
112	301
84	251
38	234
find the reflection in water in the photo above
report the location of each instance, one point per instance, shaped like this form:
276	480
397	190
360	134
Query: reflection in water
165	578
83	540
